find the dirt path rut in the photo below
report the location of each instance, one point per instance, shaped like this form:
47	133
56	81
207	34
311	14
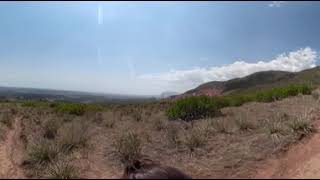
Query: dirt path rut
301	161
10	153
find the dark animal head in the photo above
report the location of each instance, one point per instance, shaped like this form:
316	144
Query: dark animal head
148	169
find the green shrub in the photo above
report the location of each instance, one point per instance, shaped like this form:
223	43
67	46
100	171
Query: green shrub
194	107
32	103
197	107
279	93
75	108
238	100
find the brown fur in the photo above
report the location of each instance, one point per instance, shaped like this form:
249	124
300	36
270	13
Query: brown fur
148	169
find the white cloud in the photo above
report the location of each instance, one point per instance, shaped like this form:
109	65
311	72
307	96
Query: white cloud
100	14
276	3
182	80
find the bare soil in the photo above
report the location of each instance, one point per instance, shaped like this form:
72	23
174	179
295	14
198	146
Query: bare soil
10	153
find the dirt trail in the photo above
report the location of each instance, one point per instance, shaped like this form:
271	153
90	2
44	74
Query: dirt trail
10	153
301	161
95	164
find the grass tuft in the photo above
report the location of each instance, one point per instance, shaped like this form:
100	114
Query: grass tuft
128	147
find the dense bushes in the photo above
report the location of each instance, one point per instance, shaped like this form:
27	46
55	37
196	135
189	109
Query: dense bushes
194	108
282	92
71	108
197	107
31	103
65	107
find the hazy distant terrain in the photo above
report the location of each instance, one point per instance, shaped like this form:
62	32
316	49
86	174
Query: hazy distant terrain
14	93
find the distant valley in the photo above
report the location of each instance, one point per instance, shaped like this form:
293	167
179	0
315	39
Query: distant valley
16	93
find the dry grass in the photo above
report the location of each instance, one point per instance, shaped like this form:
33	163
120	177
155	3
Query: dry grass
109	123
43	152
276	130
6	118
196	138
74	135
61	169
172	135
51	127
220	149
302	124
137	114
243	122
160	124
220	125
128	147
316	94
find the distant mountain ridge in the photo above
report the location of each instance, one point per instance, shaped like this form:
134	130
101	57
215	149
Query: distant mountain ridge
255	81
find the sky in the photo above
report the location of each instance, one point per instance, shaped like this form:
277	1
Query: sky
146	48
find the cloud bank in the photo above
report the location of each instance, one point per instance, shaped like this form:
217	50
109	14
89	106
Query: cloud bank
182	80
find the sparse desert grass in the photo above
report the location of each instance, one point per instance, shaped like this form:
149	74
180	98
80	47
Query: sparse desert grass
6	118
43	152
302	124
51	127
316	94
98	117
108	119
74	135
172	135
226	154
276	130
160	123
195	138
243	122
220	125
61	169
110	122
128	147
137	114
148	113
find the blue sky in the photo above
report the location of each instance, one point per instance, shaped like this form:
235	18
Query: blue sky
151	47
